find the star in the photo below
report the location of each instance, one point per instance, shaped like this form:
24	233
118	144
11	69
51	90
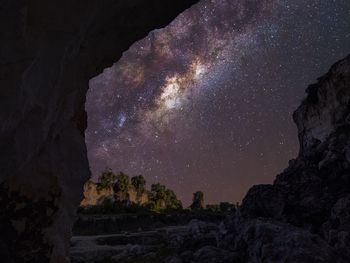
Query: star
206	102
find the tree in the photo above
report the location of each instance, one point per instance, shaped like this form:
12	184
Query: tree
197	201
106	179
171	201
122	183
157	192
164	198
139	183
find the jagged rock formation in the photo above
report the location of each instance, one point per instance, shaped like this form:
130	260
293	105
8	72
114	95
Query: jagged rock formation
94	195
49	50
308	204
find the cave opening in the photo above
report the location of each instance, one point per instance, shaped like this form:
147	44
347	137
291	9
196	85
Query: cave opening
197	105
206	102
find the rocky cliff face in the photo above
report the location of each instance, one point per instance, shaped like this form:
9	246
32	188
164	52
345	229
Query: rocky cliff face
308	206
48	52
95	196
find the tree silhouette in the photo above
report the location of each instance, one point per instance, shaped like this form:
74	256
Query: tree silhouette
107	179
164	198
122	183
139	183
197	201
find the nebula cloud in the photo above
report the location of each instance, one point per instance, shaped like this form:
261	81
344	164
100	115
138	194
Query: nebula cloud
206	102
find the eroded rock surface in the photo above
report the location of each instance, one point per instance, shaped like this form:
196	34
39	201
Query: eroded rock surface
49	50
95	195
195	242
311	197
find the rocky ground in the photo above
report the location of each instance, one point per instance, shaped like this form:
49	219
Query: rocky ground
117	223
194	242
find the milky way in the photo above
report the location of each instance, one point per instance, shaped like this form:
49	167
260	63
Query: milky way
206	103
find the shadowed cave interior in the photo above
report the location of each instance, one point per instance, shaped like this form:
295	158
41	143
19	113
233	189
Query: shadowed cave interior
49	51
142	104
47	60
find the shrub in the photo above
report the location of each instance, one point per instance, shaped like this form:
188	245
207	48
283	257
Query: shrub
122	183
197	201
106	179
139	183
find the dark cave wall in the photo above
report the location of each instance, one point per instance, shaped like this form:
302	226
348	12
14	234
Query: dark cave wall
48	52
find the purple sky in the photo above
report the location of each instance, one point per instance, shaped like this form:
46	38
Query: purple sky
206	103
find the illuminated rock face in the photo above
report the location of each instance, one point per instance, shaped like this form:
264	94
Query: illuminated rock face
48	52
93	195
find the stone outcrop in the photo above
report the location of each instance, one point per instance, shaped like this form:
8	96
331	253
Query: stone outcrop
104	224
132	196
94	195
49	50
165	244
308	204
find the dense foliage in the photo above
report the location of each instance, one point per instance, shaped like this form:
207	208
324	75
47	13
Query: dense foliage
122	183
160	198
163	198
107	179
139	183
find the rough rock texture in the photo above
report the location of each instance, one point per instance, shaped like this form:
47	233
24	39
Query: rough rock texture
132	196
93	195
104	224
48	52
194	242
312	196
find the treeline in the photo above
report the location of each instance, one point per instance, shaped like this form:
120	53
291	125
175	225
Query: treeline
158	199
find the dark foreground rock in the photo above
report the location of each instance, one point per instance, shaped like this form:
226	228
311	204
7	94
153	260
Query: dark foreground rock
133	222
49	50
304	216
312	194
195	242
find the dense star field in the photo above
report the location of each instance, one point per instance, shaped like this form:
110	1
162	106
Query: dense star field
206	103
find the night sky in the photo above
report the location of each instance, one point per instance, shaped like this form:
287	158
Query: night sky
206	103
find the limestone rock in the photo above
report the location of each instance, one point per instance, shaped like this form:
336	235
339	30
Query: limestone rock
49	50
312	194
95	195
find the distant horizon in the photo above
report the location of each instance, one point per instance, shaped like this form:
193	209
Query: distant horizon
207	101
148	185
